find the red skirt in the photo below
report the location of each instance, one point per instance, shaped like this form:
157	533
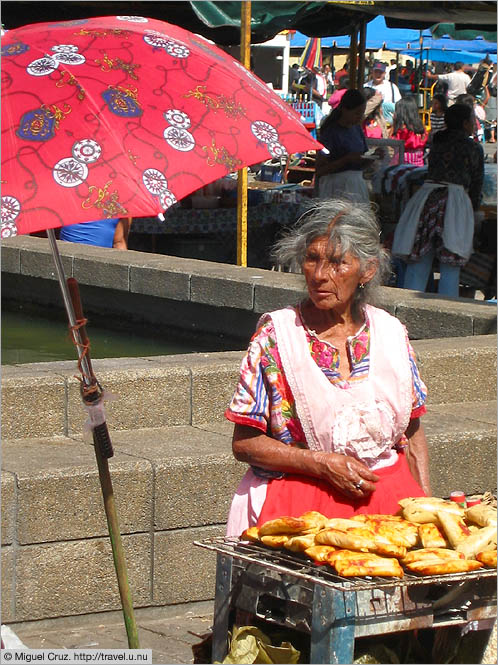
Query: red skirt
293	495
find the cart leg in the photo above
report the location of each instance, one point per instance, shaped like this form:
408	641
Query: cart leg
221	607
332	626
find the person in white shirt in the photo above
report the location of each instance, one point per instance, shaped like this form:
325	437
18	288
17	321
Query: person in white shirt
456	80
389	90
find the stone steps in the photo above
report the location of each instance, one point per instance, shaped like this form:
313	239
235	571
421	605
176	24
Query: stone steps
173	485
173	474
43	399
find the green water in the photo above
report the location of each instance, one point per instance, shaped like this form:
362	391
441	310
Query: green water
29	338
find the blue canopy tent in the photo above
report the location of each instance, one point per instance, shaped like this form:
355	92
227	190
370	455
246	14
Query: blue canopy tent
378	36
445	55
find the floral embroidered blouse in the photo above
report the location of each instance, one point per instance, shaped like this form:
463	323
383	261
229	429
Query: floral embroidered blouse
263	398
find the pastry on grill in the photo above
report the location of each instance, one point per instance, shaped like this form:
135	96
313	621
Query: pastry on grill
283	525
314	519
341	523
362	566
344	539
488	558
428	553
432	535
300	543
252	534
319	553
443	566
275	541
397	533
481	514
454	527
477	542
424	509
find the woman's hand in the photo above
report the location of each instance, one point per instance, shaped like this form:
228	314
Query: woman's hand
344	473
347	474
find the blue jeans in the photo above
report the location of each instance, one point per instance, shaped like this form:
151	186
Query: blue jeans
417	276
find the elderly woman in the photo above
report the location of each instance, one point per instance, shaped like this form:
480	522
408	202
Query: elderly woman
327	409
339	166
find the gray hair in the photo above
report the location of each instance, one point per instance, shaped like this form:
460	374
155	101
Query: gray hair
355	230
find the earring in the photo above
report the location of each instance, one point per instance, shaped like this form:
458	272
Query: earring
361	285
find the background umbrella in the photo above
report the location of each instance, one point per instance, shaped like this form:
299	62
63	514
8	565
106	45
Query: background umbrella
123	116
311	56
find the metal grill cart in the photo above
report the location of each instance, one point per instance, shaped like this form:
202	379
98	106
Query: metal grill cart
288	590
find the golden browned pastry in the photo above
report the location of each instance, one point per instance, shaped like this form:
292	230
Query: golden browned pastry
319	553
314	519
388	549
424	510
428	553
252	534
477	542
488	558
283	525
362	566
443	567
341	524
397	533
481	514
300	543
344	540
432	535
454	527
276	541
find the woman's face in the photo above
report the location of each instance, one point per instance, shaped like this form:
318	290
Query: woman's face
351	117
436	106
331	279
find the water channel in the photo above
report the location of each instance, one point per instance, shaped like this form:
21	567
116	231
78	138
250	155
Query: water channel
30	336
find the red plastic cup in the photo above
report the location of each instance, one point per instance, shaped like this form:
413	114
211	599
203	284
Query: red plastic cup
458	497
473	502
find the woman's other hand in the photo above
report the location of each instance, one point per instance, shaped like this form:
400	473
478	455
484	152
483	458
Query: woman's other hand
347	474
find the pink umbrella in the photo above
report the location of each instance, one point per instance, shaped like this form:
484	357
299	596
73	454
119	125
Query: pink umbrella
123	116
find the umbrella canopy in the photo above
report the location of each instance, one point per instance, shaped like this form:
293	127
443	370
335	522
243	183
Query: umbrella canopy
311	57
123	116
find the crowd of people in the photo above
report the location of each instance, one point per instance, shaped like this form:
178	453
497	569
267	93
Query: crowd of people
438	223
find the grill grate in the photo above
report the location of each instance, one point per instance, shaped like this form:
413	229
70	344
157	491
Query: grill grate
301	567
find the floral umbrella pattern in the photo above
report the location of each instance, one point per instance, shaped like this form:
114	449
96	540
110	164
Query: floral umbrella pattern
124	116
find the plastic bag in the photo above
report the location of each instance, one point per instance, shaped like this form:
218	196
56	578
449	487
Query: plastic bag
249	644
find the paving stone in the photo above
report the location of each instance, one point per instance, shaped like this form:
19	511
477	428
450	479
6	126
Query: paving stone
182	571
57	579
59	496
33	406
8	507
8	584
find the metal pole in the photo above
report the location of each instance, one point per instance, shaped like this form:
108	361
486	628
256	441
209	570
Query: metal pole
69	306
245	58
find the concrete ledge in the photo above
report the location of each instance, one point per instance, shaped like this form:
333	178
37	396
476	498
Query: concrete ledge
42	399
105	275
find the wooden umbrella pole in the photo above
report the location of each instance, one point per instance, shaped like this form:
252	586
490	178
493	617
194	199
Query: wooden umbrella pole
353	51
361	60
103	450
245	58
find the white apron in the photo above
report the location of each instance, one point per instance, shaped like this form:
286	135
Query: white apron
364	421
346	184
458	231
